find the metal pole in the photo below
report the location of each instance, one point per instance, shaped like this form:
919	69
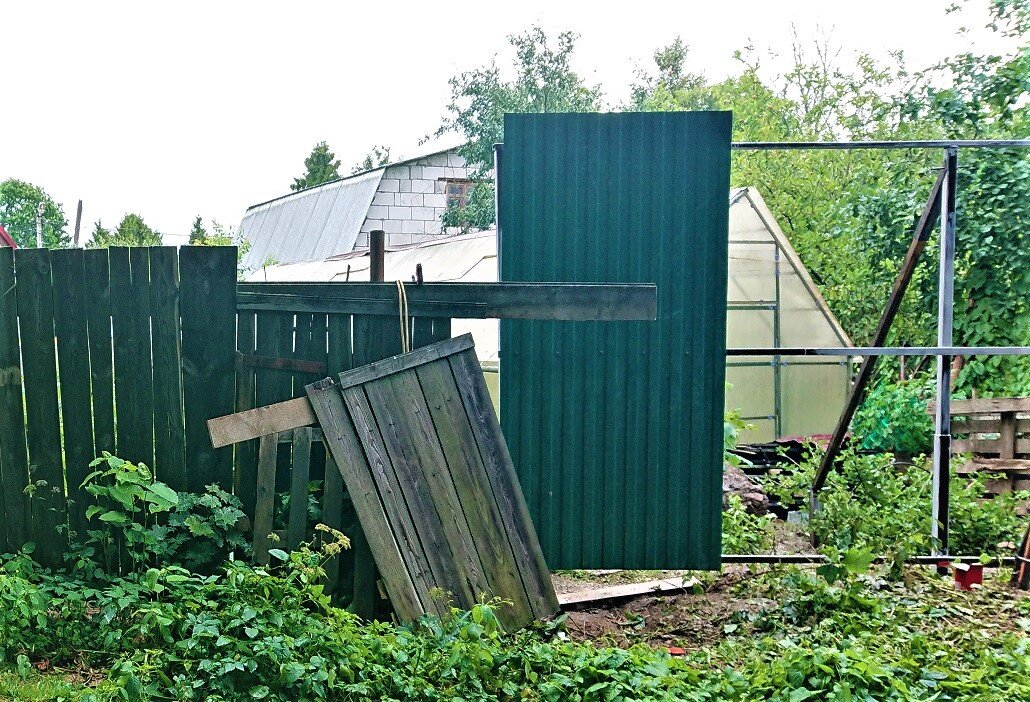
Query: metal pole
945	310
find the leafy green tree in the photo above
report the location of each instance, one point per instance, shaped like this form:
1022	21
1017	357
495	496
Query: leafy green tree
541	79
18	205
131	231
670	86
222	236
321	166
197	233
378	156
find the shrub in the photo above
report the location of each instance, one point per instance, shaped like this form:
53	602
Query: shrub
893	418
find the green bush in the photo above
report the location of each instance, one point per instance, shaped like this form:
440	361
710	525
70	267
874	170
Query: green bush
893	418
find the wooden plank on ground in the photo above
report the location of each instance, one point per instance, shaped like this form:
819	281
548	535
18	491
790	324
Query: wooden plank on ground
398	552
473	486
14	459
555	301
505	483
264	511
665	586
133	372
169	431
39	359
101	359
301	461
70	303
208	310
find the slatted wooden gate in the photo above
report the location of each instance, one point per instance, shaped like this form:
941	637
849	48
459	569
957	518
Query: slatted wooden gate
427	468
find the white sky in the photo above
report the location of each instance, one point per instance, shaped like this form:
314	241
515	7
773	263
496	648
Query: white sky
208	107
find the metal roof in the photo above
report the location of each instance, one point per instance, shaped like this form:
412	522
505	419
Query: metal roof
311	224
6	240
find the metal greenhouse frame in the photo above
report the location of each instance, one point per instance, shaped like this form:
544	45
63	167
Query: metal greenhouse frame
942	201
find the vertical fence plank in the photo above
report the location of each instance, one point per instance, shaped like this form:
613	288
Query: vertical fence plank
97	279
341	571
245	473
208	309
36	320
441	329
169	433
133	372
14	460
297	523
268	449
274	339
70	303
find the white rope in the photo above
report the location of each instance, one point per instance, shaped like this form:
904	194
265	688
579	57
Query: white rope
405	321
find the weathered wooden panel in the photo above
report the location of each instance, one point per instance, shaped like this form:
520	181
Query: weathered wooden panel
14	459
421	452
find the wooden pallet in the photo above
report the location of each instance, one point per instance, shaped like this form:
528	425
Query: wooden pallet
422	455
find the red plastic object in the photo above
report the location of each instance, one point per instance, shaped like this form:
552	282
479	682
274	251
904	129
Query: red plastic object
677	651
968	574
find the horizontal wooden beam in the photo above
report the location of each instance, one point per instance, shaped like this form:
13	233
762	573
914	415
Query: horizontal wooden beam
992	405
544	301
251	424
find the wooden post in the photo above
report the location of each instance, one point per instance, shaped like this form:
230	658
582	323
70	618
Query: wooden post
1007	437
377	256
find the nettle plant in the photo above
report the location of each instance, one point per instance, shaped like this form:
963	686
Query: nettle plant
142	522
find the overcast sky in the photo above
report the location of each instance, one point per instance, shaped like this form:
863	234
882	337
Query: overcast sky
207	107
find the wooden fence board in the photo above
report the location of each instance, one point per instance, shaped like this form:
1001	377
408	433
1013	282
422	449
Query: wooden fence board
398	551
133	371
70	303
208	308
297	524
14	459
470	480
169	432
268	448
505	483
245	472
39	368
101	360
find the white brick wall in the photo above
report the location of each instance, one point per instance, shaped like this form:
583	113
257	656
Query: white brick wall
410	200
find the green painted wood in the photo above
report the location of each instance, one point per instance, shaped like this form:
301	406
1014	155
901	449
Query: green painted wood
297	526
414	449
368	475
245	470
39	367
169	429
421	331
207	305
133	371
101	360
441	329
338	358
14	459
274	339
70	302
529	300
507	490
615	427
268	451
474	492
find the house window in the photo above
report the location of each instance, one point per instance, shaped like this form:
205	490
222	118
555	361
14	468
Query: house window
457	192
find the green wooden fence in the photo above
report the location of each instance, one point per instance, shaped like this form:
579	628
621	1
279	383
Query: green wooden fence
121	350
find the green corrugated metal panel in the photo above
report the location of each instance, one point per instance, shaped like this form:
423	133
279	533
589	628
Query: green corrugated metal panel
616	427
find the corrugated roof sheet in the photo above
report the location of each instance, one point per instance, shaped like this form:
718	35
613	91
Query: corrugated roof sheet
309	225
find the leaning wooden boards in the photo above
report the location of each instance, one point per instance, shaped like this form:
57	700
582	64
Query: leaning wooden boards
421	451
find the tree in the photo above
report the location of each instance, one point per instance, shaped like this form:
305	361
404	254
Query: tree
131	231
222	236
321	166
377	157
18	206
671	86
541	79
198	234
